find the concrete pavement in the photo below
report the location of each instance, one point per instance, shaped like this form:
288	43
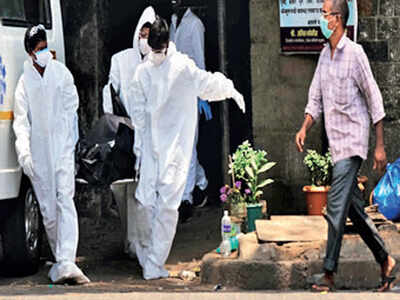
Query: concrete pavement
211	296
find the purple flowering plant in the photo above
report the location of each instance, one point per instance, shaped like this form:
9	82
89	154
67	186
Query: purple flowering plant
248	165
232	195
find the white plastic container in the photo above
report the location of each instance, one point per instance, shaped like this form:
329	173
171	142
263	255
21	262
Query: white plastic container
226	226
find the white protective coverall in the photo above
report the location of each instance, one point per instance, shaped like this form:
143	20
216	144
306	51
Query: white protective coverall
124	64
46	129
164	111
123	67
189	40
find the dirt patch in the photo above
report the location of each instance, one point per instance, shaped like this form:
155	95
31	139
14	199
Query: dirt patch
101	257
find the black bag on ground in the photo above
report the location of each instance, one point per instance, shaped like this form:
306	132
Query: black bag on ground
106	153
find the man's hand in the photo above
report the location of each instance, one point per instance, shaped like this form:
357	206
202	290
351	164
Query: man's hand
302	134
380	160
300	139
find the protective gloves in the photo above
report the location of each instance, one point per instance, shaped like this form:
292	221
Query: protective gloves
205	108
27	165
239	100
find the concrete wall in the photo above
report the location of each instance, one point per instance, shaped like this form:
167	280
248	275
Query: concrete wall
86	42
85	32
280	87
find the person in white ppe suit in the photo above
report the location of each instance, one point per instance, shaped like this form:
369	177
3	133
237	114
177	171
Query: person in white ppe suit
46	130
187	33
125	62
164	112
123	67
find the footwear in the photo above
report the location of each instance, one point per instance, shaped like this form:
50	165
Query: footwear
81	279
322	284
67	273
386	284
153	272
200	197
164	273
185	211
387	280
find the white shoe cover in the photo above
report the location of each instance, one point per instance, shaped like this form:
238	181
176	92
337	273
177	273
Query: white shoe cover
67	271
155	273
164	273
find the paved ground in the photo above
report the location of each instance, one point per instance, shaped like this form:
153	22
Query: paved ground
100	256
114	276
209	296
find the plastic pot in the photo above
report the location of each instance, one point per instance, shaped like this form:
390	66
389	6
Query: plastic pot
254	212
316	197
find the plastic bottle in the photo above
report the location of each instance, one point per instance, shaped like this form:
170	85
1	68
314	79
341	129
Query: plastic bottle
225	248
226	229
226	226
234	243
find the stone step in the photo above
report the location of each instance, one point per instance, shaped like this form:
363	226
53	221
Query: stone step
282	266
283	275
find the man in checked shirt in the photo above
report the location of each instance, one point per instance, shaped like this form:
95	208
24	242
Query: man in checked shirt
344	89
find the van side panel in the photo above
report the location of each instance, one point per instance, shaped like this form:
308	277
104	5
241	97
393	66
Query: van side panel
12	57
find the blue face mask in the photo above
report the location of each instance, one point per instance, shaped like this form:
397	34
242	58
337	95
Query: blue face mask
324	28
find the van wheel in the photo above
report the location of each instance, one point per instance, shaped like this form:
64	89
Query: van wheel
22	233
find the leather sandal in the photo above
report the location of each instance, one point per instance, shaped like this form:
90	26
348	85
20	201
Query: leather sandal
386	284
321	284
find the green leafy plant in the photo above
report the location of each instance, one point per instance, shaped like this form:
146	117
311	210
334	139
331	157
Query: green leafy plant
248	165
320	167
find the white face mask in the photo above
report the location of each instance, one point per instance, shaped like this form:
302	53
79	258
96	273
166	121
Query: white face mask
158	58
43	57
144	47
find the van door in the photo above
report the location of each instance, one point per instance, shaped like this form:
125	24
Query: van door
15	17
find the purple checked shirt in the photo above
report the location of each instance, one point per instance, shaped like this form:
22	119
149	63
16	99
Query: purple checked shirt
344	89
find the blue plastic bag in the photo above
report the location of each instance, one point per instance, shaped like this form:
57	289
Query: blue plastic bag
387	192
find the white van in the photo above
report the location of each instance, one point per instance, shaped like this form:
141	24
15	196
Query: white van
20	221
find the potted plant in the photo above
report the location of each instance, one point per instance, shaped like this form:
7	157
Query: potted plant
249	165
234	198
320	168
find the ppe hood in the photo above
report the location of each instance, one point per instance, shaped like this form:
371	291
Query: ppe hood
148	15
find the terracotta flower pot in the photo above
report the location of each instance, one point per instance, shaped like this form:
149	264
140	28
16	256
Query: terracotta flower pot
316	197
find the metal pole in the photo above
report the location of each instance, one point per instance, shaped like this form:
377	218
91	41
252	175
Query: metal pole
225	108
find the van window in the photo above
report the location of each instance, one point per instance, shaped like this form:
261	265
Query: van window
22	13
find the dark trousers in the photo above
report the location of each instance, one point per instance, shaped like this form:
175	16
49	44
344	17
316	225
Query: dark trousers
345	199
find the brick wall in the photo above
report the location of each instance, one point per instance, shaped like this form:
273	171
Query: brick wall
379	34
